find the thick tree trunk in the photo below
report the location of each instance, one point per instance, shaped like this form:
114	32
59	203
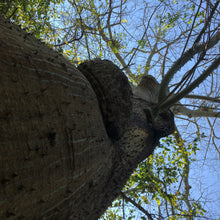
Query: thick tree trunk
53	144
56	159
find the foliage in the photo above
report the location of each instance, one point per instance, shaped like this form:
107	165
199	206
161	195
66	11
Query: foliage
160	185
33	15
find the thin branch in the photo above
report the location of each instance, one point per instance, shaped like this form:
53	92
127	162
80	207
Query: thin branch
192	86
70	41
193	23
144	34
213	136
162	69
211	99
185	176
118	56
81	26
188	55
11	15
152	53
137	206
207	22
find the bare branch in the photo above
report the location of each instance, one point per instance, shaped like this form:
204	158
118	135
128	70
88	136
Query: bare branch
193	23
185	176
207	98
183	60
180	109
192	86
137	206
207	22
213	136
152	53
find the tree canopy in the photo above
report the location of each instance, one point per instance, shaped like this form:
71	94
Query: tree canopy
176	41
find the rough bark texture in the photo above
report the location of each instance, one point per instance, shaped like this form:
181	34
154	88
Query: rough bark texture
57	161
113	93
54	147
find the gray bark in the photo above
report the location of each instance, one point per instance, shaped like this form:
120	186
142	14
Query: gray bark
56	159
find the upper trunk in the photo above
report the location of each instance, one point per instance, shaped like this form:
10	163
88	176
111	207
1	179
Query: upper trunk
56	159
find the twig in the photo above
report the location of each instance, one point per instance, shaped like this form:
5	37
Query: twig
137	206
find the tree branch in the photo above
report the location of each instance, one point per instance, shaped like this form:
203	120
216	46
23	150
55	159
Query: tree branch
207	22
152	53
137	206
192	86
118	56
180	109
185	175
211	99
188	55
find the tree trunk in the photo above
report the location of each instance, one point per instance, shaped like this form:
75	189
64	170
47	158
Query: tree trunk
56	159
54	146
